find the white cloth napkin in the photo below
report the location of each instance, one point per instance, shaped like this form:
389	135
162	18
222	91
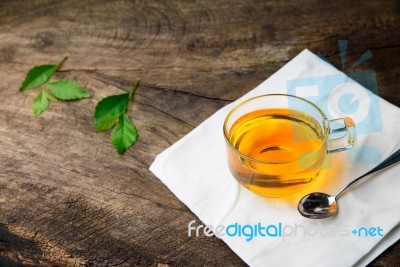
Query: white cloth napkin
195	170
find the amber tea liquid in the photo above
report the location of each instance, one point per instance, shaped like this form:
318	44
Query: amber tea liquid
282	151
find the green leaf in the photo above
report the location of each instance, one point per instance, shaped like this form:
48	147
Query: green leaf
39	75
67	90
124	134
40	104
108	110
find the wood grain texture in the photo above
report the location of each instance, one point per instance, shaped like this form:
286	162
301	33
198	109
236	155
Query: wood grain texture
66	197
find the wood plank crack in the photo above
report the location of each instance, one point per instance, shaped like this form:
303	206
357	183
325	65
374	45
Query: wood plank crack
144	198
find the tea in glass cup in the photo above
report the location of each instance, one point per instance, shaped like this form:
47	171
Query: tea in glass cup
277	144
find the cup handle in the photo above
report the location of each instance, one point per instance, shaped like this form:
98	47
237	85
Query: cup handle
342	134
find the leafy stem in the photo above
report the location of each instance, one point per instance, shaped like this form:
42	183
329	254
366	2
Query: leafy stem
39	76
111	112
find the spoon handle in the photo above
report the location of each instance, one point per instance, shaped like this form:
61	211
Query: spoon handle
395	157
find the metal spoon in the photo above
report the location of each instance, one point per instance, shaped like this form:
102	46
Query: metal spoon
320	205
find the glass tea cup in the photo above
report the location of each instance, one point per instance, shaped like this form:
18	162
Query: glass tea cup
277	144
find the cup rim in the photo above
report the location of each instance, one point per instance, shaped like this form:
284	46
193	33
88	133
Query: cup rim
236	107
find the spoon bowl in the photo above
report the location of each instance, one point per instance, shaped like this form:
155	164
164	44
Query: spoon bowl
317	205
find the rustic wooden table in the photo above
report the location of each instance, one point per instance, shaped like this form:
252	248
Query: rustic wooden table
66	197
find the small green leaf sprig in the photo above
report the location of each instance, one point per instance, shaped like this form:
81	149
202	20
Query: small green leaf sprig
111	112
39	76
